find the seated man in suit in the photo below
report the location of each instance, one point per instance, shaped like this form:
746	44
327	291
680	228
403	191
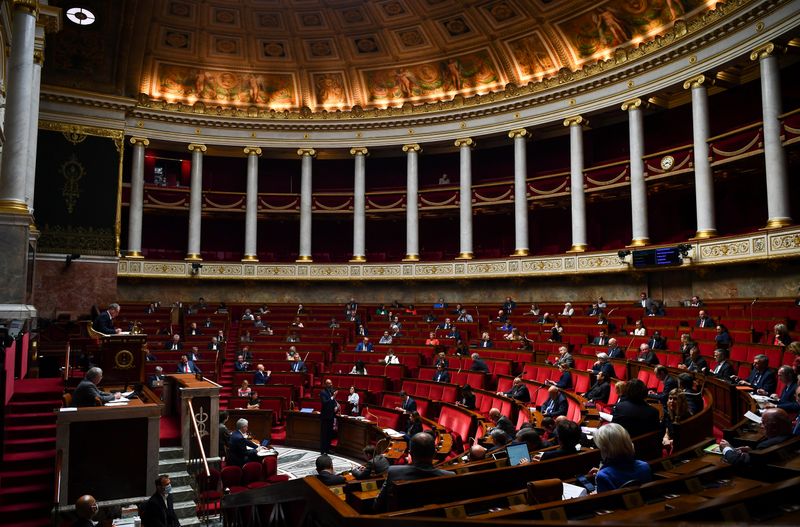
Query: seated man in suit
600	390
214	345
478	364
695	362
376	464
633	412
657	342
187	366
240	449
87	393
601	339
564	382
261	377
441	375
501	422
365	345
241	364
602	365
569	437
193	354
175	344
704	321
556	403
786	399
104	323
614	350
777	427
159	511
86	509
518	391
298	365
564	357
723	370
325	471
670	383
761	378
157	379
422	448
407	404
647	355
447	324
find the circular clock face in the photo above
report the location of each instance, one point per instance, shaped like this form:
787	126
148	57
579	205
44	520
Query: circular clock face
667	162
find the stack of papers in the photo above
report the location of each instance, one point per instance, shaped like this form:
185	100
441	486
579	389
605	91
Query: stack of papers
753	417
606	417
573	491
394	434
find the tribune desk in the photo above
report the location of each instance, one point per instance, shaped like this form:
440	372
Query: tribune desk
180	390
110	452
302	431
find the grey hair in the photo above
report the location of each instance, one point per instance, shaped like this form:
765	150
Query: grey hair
241	423
113	306
614	442
94	373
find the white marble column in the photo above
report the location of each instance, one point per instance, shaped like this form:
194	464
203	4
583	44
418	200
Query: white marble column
195	201
465	146
639	227
33	130
359	204
412	201
305	203
251	207
703	177
14	173
521	243
137	198
778	210
577	198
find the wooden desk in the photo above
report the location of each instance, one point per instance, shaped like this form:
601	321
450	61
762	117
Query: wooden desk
204	396
110	452
259	422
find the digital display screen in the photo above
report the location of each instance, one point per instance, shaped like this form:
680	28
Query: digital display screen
657	257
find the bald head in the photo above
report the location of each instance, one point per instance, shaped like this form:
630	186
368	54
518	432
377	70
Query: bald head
86	507
422	448
553	392
494	414
477	452
776	422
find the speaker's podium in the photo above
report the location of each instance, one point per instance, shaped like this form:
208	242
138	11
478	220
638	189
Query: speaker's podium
122	358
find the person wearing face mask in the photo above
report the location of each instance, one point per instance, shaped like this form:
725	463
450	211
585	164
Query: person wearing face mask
85	508
159	511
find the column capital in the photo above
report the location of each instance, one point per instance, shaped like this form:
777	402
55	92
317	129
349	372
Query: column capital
359	151
252	151
31	6
196	146
633	104
518	132
412	147
139	141
577	120
696	82
465	141
306	152
38	56
763	51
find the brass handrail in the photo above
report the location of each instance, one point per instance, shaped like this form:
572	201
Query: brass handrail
199	440
57	491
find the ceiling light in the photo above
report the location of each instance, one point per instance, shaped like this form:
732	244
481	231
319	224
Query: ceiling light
80	16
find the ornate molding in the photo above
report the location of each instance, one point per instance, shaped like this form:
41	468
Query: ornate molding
252	151
306	152
696	82
197	147
518	132
140	141
577	120
763	51
31	6
633	104
758	246
413	147
465	141
359	151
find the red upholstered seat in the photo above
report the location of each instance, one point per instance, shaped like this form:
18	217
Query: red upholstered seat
251	475
208	486
270	470
232	479
581	383
457	422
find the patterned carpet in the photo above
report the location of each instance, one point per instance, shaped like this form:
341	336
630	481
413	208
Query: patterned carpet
298	463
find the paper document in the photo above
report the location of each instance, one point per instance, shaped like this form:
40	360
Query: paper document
606	417
392	433
127	394
573	491
713	449
118	402
753	417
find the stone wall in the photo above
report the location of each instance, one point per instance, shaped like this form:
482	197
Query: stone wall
73	288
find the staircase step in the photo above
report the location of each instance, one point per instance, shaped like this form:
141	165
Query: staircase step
170	452
10	478
26	406
30	418
23	461
28	432
17	513
19	493
171	465
29	444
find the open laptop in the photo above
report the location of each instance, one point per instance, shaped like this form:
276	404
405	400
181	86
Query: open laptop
516	452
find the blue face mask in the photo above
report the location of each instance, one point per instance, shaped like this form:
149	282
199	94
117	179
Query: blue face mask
168	489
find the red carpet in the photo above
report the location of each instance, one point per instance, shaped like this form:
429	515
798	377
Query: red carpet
169	431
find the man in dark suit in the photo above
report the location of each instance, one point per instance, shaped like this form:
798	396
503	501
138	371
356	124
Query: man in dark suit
240	449
777	427
647	355
657	342
407	404
602	365
695	362
326	416
376	464
601	339
87	393
556	403
422	448
441	375
159	511
261	376
614	350
193	354
502	422
723	370
569	437
325	471
240	364
478	364
175	344
650	307
509	305
365	345
761	378
445	325
86	508
670	383
194	331
298	365
187	366
704	321
518	391
157	379
786	399
214	344
104	323
600	390
633	413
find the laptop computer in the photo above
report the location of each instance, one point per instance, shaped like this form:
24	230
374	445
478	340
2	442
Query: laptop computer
516	452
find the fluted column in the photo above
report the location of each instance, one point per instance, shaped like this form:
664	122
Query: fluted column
577	197
465	197
137	198
359	204
195	201
305	203
251	206
639	227
521	243
412	202
703	177
778	209
14	173
33	124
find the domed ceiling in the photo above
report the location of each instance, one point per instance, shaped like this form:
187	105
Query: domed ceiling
336	54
